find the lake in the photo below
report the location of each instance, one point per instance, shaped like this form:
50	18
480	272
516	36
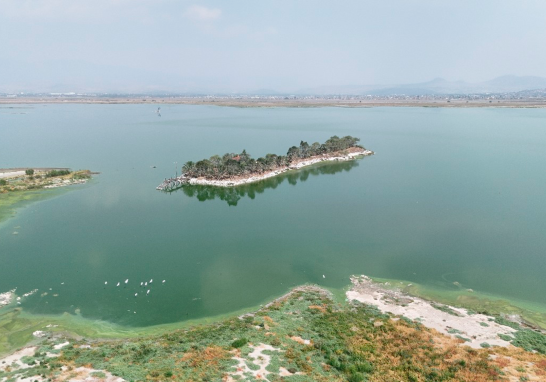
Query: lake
451	195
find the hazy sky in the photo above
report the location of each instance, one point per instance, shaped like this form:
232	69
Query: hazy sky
242	45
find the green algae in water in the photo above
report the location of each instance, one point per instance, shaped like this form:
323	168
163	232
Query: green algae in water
10	202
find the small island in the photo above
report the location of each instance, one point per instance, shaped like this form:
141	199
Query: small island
236	169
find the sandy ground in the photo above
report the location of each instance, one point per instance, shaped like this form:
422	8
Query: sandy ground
258	358
11	174
257	178
475	328
80	374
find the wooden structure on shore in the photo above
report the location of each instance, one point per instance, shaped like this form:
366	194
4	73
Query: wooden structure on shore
171	184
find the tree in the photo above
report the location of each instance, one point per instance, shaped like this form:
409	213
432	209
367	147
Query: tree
29	171
304	149
188	167
293	152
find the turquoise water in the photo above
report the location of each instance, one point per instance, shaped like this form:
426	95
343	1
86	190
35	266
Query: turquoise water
451	195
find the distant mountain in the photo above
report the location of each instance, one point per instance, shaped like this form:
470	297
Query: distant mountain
515	83
64	76
502	84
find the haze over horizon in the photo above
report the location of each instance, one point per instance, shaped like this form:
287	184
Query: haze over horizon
282	46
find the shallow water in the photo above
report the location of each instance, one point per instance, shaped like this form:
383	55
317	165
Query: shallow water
451	195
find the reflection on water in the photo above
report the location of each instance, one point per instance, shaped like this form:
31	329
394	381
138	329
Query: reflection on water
232	195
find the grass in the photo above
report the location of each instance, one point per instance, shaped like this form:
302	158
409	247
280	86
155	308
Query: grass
446	309
530	340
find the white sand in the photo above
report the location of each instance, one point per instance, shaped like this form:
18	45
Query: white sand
14	360
80	374
257	358
395	302
84	374
11	174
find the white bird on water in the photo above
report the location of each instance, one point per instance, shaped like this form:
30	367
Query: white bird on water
118	284
151	281
163	281
126	281
148	291
141	284
323	276
106	282
146	283
136	294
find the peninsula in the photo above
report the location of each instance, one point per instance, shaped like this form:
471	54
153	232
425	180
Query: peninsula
237	169
25	179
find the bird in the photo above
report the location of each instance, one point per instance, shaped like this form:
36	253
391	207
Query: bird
163	280
151	281
148	291
146	283
118	284
323	276
106	282
126	281
136	294
141	284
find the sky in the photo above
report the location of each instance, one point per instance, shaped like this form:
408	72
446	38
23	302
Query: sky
248	45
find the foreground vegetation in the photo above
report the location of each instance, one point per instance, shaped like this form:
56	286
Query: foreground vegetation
303	337
231	165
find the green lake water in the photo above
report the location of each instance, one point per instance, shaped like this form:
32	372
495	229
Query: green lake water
451	195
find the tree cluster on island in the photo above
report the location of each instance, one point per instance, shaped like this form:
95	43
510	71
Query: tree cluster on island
231	165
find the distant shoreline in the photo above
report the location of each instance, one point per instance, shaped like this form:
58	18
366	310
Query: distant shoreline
266	103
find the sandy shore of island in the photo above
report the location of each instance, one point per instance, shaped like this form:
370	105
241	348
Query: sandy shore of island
256	178
475	329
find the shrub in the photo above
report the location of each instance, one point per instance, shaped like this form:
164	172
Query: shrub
53	173
239	343
357	377
81	175
3	182
29	171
